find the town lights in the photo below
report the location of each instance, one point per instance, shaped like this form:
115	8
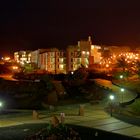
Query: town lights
107	65
15	67
7	58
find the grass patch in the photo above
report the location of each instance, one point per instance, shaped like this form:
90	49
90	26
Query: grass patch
136	107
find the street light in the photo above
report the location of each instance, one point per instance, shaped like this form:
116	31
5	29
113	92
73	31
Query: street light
111	97
0	104
72	72
122	90
121	76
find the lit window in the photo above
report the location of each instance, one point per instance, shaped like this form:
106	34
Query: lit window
61	60
61	66
83	52
23	55
29	55
92	47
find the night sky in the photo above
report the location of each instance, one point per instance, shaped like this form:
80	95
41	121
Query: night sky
32	24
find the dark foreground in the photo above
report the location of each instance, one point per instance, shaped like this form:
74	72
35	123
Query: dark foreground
21	132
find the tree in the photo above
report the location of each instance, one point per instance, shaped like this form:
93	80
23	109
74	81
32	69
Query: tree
121	63
46	82
80	74
78	77
137	65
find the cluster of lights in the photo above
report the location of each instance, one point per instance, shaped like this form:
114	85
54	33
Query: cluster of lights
6	58
15	67
105	62
129	58
84	52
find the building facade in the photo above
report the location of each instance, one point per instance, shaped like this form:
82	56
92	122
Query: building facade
53	60
57	61
22	57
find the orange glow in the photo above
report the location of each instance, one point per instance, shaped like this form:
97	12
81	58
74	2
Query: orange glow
92	47
107	65
6	58
83	52
14	67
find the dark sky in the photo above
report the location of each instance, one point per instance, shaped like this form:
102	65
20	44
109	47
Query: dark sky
36	24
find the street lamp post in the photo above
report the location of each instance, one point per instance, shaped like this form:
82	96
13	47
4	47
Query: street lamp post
1	105
121	76
111	97
122	91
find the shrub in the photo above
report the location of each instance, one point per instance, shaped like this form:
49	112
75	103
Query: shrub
136	107
52	98
60	132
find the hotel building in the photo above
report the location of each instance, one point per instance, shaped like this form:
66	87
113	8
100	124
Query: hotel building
57	61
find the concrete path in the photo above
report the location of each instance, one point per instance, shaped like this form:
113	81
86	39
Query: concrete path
94	117
121	97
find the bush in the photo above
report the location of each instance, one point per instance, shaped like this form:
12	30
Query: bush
60	132
52	98
136	107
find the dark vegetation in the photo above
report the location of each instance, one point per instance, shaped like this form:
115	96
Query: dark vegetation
5	68
38	131
59	132
36	91
75	132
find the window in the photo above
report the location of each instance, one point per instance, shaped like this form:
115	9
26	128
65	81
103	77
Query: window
61	54
52	59
78	60
61	66
78	54
64	54
83	52
61	60
52	54
71	53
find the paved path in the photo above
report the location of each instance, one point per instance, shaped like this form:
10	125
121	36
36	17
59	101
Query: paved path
122	97
94	117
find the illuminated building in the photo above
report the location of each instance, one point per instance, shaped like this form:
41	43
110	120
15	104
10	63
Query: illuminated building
80	55
22	57
57	61
53	60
